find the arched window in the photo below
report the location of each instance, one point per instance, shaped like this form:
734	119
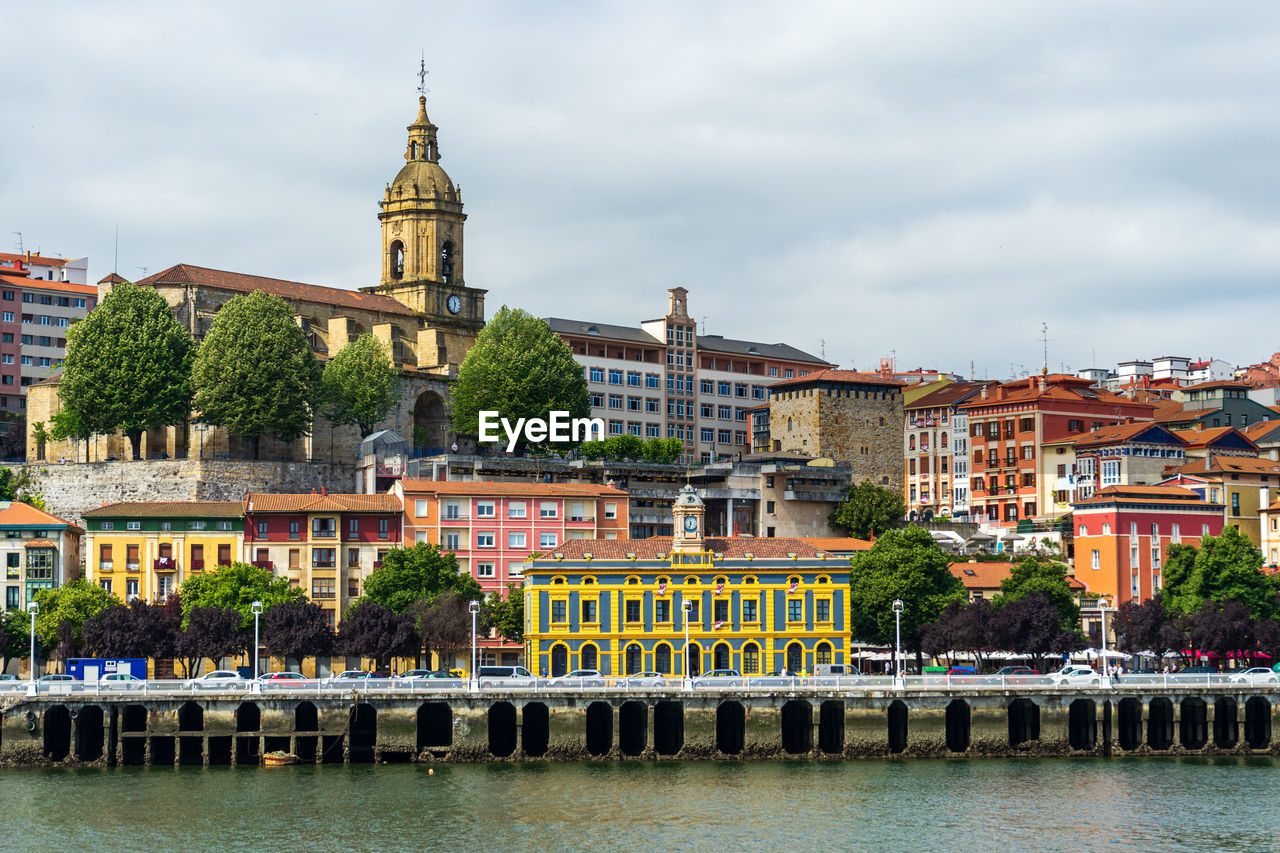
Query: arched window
557	580
633	581
789	425
750	659
588	581
559	660
721	657
397	259
589	657
446	261
635	659
662	659
795	657
824	653
944	440
911	442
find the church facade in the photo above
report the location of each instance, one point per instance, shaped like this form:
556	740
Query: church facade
422	311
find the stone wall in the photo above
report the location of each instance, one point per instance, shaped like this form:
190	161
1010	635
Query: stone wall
72	489
863	432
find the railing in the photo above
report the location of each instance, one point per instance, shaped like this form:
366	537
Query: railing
264	564
843	684
105	566
165	564
197	565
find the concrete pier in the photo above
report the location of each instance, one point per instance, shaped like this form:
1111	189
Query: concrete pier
515	725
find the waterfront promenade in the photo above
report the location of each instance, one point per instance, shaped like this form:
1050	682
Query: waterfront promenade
392	720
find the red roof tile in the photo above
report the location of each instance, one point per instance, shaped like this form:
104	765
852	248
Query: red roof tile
502	489
659	548
311	502
20	513
830	374
176	509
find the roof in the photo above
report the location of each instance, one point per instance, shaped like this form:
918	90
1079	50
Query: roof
532	490
170	509
838	544
830	374
59	286
39	543
988	575
188	274
945	396
1141	494
312	502
1057	386
659	548
1146	431
1221	383
601	330
781	352
1262	431
1217	464
40	260
113	278
1227	436
15	512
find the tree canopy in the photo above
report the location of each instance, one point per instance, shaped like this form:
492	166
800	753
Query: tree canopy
868	510
1046	578
236	587
443	625
360	385
254	372
902	564
371	630
63	612
17	484
297	629
627	446
1224	567
519	368
211	632
128	368
505	614
408	575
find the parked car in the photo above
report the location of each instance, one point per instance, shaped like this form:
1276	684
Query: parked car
1254	675
432	674
120	681
718	678
8	676
644	679
354	675
506	676
1198	669
217	678
54	676
1006	671
961	670
836	669
579	678
282	676
1074	675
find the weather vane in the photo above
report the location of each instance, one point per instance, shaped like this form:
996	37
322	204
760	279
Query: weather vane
422	76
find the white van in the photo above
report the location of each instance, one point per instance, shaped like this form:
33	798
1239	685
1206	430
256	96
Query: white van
836	669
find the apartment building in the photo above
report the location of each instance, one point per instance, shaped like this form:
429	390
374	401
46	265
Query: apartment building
1240	486
664	380
327	544
928	455
1010	424
40	298
40	551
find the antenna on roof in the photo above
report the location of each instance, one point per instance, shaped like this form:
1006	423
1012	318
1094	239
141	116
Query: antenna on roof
144	271
1044	334
422	75
115	262
19	233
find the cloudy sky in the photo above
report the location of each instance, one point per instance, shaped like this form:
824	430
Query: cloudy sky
931	180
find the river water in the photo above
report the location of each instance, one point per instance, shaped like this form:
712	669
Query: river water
1021	804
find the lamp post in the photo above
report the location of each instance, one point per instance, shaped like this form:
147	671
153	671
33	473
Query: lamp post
474	609
33	607
898	680
1104	668
686	607
256	607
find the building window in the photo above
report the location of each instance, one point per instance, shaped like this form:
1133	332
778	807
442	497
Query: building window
597	374
484	539
662	610
749	610
633	610
451	541
547	540
795	609
516	539
485	509
822	610
517	509
547	509
1096	560
484	570
324	558
559	610
323	588
615	377
324	528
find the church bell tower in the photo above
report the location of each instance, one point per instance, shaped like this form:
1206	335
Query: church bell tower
422	244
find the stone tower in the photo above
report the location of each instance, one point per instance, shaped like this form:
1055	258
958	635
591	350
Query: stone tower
422	246
689	514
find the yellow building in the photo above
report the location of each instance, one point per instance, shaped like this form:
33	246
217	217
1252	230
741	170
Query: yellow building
147	549
619	605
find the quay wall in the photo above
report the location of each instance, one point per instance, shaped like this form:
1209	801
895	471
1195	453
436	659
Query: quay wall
517	725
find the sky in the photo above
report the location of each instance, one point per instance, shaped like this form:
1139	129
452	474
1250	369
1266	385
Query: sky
931	181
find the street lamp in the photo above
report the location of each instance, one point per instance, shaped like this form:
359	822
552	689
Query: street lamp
256	607
33	607
474	609
898	680
1103	667
686	606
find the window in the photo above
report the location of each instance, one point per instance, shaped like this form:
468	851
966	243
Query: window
559	610
353	528
484	539
131	589
547	540
324	558
749	610
517	509
485	509
547	509
795	609
353	587
615	377
516	539
1096	560
597	374
8	316
662	610
224	525
294	528
633	379
615	401
720	610
451	541
1235	503
822	612
610	510
420	508
1106	529
1175	534
353	558
324	528
133	525
633	610
597	400
453	509
323	588
484	570
652	380
262	529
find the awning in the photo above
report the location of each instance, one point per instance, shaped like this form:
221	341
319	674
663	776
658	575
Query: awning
40	543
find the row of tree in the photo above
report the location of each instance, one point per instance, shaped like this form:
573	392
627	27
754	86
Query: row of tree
131	367
415	603
619	447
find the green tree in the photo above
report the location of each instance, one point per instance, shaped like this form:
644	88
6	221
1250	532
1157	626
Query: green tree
18	484
867	510
1049	579
408	575
63	612
236	587
1224	567
902	564
128	366
506	614
360	385
520	369
15	636
254	373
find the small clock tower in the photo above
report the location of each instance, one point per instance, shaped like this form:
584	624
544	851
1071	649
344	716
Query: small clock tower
689	514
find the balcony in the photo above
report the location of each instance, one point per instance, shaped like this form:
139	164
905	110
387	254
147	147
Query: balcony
264	564
131	567
105	566
377	564
165	564
456	516
197	565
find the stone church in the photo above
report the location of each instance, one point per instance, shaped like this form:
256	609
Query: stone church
422	311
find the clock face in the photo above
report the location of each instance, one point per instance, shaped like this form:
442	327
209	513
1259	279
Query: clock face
690	523
454	304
